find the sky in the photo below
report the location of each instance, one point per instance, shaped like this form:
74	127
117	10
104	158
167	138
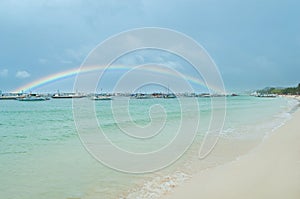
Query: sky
254	43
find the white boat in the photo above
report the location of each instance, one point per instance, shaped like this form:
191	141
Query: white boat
170	96
31	98
141	96
266	95
102	97
8	97
67	95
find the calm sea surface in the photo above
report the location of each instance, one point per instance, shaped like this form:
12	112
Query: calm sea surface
42	157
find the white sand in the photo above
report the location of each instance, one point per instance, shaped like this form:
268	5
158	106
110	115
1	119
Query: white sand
270	171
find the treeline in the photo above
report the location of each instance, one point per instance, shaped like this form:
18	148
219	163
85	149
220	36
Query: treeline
281	91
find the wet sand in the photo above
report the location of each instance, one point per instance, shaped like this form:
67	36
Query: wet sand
272	170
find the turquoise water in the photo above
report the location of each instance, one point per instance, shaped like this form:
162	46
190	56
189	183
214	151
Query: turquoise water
41	155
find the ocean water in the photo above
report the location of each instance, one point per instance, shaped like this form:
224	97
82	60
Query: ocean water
42	156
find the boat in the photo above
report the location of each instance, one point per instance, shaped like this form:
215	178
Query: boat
102	97
8	97
31	98
141	96
169	96
204	95
67	95
267	95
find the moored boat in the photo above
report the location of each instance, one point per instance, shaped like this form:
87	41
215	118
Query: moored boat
67	95
8	97
31	98
102	97
266	95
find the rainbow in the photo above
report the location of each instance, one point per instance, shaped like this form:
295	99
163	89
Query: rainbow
75	71
56	77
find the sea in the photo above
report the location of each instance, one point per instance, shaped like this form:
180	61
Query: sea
42	156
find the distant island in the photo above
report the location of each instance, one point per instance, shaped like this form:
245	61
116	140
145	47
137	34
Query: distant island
281	91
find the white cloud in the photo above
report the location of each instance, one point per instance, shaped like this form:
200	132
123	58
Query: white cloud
3	73
22	74
66	62
131	60
76	54
42	60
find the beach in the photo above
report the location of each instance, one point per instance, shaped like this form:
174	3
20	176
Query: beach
271	170
149	99
44	149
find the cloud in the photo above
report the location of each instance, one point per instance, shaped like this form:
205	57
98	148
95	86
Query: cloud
76	54
131	60
3	73
263	62
66	62
42	60
22	74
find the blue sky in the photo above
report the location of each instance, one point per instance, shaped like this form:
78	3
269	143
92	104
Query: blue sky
255	43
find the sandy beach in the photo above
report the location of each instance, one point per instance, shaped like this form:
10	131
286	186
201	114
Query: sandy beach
271	170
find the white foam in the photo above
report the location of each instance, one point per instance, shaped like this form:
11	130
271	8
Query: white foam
157	187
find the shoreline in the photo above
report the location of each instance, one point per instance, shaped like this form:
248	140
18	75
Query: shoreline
224	153
270	170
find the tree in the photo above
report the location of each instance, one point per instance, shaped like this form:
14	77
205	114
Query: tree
281	91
